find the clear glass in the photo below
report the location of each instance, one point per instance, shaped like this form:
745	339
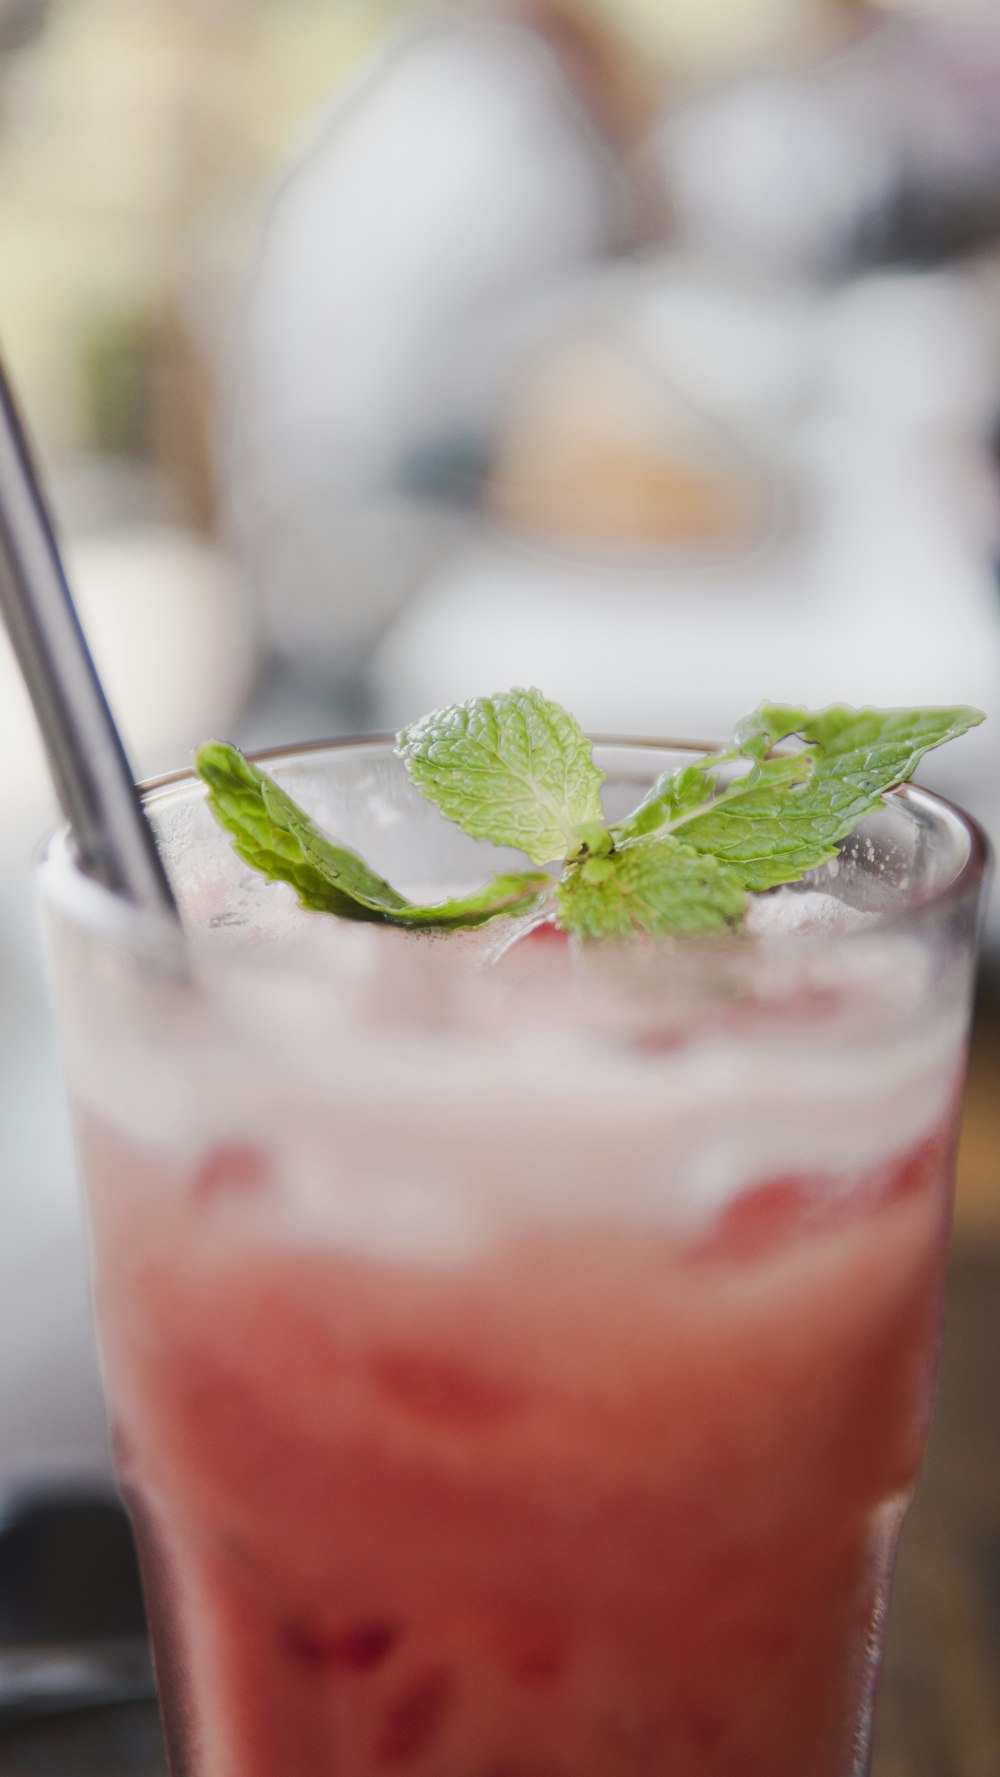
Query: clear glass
519	1358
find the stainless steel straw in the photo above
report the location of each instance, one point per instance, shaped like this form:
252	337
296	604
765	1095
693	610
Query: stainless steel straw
93	779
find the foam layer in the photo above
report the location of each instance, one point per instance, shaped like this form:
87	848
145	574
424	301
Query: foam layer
419	1096
415	1107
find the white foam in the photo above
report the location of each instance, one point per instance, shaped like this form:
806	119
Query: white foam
784	913
408	1123
420	1099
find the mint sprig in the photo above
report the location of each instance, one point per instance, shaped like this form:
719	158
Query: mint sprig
517	770
274	835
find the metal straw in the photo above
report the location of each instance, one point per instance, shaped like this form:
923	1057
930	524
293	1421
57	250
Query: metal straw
93	779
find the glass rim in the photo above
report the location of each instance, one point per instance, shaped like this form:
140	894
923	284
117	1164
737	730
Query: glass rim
99	910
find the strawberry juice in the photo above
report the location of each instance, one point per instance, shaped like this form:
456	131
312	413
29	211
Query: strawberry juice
519	1361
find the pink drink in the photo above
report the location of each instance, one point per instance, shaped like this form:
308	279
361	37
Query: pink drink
521	1368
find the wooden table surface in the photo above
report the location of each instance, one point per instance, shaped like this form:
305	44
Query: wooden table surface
939	1714
940	1709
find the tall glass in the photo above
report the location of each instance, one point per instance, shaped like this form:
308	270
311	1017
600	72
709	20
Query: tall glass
519	1359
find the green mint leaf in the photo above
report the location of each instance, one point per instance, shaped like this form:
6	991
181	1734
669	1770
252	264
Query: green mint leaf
888	743
517	892
272	834
262	821
653	885
675	793
514	769
786	816
679	795
765	726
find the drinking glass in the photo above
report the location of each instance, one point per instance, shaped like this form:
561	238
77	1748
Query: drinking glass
519	1355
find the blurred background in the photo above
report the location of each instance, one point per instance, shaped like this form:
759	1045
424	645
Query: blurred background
382	354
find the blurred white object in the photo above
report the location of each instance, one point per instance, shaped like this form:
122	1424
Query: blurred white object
772	173
920	352
889	150
458	180
168	624
51	1417
169	629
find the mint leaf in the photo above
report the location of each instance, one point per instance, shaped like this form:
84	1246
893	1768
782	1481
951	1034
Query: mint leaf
768	724
679	795
513	768
272	834
889	744
786	816
261	821
516	892
658	886
673	794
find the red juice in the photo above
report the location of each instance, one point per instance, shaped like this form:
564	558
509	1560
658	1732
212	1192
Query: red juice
519	1365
